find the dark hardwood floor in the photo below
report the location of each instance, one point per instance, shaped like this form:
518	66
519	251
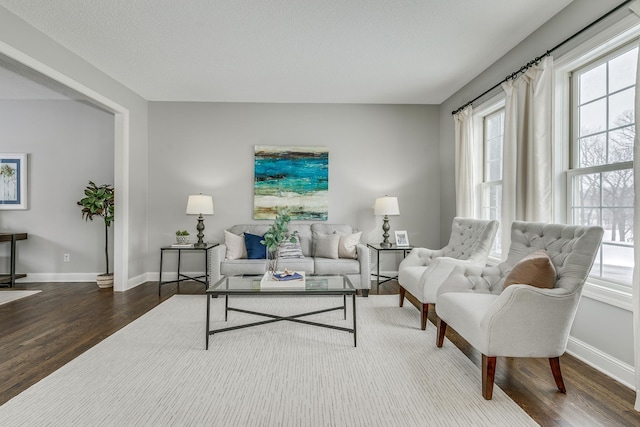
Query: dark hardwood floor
43	332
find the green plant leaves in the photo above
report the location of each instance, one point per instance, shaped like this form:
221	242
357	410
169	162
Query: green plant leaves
99	201
279	232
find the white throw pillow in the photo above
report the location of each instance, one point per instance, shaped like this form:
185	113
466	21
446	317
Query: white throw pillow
326	245
347	245
236	248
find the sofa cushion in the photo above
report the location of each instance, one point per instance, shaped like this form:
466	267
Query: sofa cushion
336	266
326	245
535	269
347	245
297	264
236	248
243	266
255	249
290	250
304	237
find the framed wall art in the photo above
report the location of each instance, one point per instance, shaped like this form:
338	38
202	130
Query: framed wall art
402	239
296	177
13	181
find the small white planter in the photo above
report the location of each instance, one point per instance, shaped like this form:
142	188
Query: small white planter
183	240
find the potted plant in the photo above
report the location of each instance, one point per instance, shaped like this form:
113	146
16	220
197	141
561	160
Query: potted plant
277	234
182	237
99	202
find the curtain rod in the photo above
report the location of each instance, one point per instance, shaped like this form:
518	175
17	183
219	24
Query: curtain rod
547	53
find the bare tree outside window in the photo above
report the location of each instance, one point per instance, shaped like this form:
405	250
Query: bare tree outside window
602	179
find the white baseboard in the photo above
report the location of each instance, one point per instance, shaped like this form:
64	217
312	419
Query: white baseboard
78	277
58	277
138	280
131	283
603	362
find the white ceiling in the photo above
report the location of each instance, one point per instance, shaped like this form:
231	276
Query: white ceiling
316	51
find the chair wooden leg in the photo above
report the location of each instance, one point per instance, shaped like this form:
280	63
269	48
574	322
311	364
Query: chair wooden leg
557	374
425	312
442	329
402	292
488	375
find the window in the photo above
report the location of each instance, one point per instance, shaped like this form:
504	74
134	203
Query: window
491	188
600	176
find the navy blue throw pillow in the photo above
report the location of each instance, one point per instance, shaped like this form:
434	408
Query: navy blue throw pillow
255	249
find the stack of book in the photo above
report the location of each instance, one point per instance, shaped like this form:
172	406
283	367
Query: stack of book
283	280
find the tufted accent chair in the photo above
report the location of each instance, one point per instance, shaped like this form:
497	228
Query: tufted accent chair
469	244
521	320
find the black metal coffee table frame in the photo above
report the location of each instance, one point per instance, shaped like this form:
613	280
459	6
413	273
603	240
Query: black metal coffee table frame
218	289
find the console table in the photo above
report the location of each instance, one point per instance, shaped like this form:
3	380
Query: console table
204	278
12	276
378	249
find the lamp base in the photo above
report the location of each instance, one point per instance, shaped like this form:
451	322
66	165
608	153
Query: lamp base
385	233
200	228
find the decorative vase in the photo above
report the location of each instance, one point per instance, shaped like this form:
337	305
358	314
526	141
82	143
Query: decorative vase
183	240
272	261
105	280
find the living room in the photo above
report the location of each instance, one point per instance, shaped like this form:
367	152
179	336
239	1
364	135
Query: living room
158	152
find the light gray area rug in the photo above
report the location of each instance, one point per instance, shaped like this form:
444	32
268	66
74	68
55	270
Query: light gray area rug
11	295
156	372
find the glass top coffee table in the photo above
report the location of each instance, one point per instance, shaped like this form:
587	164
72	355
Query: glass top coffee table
314	286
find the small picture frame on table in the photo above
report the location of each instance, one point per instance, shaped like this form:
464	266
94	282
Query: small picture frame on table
402	239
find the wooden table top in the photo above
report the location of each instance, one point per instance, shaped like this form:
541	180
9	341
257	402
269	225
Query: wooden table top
6	236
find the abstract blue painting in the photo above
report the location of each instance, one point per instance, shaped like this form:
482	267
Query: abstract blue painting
296	177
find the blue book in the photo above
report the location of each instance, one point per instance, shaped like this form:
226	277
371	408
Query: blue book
283	276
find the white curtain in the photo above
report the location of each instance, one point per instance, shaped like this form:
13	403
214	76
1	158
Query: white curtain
635	289
464	169
527	175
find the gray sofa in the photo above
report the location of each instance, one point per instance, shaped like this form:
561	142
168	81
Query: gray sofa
357	269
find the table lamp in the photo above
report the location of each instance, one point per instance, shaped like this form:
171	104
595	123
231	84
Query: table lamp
386	206
200	205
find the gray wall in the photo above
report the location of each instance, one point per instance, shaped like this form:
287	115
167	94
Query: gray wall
570	20
607	329
68	143
20	41
373	150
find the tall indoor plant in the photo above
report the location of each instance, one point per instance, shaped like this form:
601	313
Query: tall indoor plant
99	202
276	234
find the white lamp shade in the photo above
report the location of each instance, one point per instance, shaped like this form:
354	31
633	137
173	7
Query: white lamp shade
387	206
200	205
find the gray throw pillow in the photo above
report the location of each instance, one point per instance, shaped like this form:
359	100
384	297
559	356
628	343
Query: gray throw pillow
326	245
290	250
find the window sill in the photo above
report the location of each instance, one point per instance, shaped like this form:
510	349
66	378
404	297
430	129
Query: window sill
616	298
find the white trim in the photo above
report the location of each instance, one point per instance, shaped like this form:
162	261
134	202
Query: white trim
603	362
121	158
607	295
491	106
615	35
58	277
139	280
